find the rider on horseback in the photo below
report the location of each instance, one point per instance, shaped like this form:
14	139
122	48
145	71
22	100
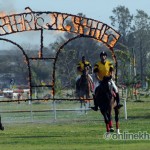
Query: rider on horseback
81	68
102	69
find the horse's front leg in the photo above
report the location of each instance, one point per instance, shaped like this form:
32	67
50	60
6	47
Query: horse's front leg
106	119
88	101
117	120
109	115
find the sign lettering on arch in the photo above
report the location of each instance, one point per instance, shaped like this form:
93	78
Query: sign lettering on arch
58	21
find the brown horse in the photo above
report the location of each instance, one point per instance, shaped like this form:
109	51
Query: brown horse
84	86
105	101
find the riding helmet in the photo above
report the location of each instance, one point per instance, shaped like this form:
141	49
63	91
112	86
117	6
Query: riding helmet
103	53
83	57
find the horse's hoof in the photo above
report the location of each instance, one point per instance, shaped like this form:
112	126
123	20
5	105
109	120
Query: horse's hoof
107	135
112	130
118	131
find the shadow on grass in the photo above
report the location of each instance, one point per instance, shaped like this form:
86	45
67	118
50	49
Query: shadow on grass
35	136
140	101
139	117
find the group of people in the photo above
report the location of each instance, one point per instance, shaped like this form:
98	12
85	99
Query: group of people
103	68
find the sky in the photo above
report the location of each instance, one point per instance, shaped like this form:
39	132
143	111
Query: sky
95	9
99	10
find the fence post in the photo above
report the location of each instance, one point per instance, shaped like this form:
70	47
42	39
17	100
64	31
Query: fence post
31	113
54	108
125	105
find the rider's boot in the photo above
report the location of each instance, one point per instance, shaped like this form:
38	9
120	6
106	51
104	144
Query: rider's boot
118	101
95	108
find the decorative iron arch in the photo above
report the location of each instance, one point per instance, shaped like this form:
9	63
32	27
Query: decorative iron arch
24	54
39	21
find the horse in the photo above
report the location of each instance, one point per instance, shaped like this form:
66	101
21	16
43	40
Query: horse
1	126
84	86
104	99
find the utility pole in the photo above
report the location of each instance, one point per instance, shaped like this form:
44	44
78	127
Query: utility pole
134	62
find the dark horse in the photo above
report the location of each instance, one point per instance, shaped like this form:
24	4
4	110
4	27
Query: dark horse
84	86
1	126
104	99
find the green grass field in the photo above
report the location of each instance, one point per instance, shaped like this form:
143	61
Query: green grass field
71	130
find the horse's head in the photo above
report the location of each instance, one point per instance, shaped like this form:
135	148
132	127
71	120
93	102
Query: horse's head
86	70
106	79
106	85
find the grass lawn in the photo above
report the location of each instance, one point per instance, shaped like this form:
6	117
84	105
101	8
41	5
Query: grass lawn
75	131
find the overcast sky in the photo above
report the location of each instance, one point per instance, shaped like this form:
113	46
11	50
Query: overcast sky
96	9
99	10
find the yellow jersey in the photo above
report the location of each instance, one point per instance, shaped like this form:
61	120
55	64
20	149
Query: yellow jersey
103	69
81	66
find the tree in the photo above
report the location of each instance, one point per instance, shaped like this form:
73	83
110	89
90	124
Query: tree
142	42
135	35
122	20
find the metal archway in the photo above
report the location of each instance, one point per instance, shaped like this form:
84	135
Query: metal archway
39	21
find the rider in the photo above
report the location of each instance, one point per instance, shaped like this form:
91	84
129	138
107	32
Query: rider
80	68
105	68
